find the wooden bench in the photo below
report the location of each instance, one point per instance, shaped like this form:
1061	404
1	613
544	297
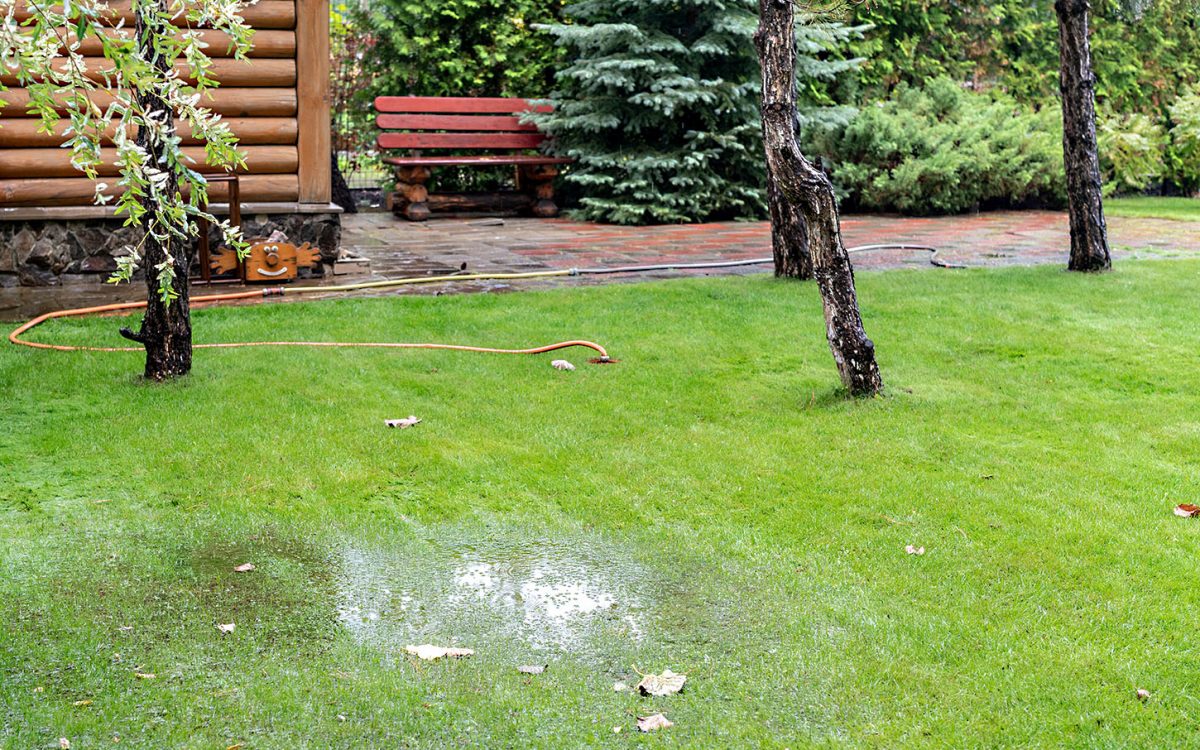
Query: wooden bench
473	130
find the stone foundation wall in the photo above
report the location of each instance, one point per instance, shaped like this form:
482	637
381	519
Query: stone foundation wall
49	253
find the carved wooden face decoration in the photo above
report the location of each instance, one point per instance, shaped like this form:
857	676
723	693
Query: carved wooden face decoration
269	261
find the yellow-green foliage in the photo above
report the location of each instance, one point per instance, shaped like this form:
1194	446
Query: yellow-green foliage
945	150
1131	152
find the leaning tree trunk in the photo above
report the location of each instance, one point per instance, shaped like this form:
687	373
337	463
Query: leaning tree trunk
1089	235
167	326
809	192
789	243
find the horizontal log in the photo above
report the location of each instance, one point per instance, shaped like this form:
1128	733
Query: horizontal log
56	162
460	140
457	105
266	14
506	200
231	102
229	72
478	160
267	44
485	123
79	191
250	131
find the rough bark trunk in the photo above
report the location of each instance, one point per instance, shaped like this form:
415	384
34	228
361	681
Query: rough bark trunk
1089	234
166	327
788	236
808	191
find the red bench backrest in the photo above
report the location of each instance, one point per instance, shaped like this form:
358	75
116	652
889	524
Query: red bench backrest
475	123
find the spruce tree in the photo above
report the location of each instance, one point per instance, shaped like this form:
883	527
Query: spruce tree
658	104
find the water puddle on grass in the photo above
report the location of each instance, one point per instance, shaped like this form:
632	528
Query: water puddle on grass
544	595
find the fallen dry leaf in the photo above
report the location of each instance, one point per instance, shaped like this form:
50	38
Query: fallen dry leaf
653	723
402	423
429	653
125	628
145	675
562	364
667	683
226	628
1187	510
86	702
532	669
102	501
914	550
238	746
244	568
64	743
616	730
1143	694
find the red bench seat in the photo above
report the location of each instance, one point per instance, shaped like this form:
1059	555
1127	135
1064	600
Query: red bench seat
467	126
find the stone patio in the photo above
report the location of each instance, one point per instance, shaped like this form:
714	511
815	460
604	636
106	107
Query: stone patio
397	248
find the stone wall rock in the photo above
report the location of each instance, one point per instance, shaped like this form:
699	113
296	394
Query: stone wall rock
49	253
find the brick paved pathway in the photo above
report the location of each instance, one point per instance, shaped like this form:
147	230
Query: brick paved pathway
398	248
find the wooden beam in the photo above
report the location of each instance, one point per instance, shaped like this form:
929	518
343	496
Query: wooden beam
265	14
231	102
56	162
79	191
457	105
261	73
312	67
250	131
267	44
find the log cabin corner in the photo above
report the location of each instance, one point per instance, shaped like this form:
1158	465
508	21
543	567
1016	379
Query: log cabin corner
278	105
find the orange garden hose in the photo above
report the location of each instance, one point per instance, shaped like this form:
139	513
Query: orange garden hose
15	336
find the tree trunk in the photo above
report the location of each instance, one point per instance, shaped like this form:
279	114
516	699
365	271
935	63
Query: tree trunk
1089	235
808	191
167	326
788	236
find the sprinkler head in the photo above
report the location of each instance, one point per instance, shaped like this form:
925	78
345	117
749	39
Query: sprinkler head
605	360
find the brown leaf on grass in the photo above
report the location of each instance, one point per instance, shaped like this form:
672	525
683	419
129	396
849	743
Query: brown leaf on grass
667	683
226	627
1187	510
244	568
532	669
653	723
914	550
86	702
402	423
429	653
238	746
145	675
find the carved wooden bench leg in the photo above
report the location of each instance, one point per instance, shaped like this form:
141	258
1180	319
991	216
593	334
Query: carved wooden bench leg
538	179
411	198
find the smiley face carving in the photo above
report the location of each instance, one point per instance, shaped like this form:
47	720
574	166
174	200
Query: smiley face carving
268	260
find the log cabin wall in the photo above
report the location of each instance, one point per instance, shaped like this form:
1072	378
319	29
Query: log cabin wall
277	103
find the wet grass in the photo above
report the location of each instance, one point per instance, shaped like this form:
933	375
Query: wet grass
1153	207
747	522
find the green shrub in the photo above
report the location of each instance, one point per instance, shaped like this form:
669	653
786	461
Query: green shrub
1131	152
944	150
659	106
1184	152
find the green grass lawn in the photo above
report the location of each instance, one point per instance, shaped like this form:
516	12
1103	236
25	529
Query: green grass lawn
709	505
1151	207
